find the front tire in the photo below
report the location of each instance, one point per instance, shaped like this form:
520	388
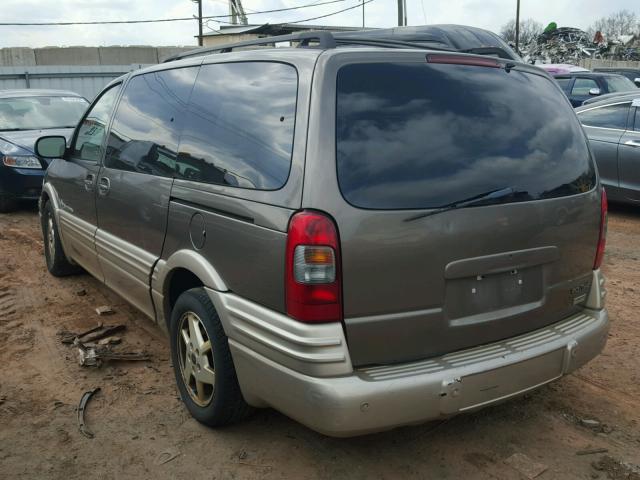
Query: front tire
57	262
202	362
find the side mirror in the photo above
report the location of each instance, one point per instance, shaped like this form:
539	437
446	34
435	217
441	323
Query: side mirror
594	91
51	146
637	82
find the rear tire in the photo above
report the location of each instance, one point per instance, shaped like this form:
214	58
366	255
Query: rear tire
202	362
57	262
7	204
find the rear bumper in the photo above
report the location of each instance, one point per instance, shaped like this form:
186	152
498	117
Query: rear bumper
307	374
21	183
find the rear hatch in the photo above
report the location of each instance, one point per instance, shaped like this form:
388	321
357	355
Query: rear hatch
471	210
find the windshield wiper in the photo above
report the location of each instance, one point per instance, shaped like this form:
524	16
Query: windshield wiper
469	202
11	129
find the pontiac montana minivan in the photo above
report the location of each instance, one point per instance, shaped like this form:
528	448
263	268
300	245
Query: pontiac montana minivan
360	232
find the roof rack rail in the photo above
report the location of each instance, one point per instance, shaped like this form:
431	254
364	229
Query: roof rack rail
324	39
386	42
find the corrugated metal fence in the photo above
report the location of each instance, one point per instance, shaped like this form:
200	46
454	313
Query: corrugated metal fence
85	80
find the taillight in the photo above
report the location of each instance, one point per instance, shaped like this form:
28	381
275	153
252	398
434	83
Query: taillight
602	239
313	279
463	60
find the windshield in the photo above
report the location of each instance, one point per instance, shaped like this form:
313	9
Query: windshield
418	135
620	84
34	113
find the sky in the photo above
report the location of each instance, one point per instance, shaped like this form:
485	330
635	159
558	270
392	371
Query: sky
489	14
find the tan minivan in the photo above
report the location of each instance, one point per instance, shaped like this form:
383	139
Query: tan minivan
359	232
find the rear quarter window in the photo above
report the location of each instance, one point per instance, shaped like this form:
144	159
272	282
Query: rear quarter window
240	126
412	136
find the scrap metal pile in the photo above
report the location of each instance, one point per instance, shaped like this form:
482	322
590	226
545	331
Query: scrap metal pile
569	45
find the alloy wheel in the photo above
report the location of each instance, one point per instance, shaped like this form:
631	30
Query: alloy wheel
195	355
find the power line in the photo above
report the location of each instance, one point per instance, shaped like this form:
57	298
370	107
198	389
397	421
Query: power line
159	20
359	5
330	14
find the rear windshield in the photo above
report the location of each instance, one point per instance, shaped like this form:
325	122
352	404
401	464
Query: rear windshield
620	84
414	136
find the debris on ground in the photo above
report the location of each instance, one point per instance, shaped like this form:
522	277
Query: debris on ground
596	426
110	341
525	465
91	355
82	426
167	456
617	469
590	423
93	334
105	310
81	292
592	451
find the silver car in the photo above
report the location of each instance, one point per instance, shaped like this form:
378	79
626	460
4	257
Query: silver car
613	127
358	232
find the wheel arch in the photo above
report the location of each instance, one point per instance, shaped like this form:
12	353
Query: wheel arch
182	271
49	194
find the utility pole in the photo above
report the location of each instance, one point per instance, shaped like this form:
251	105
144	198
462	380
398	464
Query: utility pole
400	12
363	14
236	10
518	26
404	12
199	2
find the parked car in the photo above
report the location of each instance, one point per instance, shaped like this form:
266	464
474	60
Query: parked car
361	238
632	74
557	68
24	115
613	128
581	86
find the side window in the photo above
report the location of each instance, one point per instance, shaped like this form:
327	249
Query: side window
564	83
146	127
239	130
583	85
89	142
612	116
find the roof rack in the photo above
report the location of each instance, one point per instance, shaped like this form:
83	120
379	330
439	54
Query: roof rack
449	38
323	39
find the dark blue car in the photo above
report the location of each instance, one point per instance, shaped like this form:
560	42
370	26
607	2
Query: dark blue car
581	86
26	115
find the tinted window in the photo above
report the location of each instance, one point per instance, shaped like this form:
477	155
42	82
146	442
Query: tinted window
423	136
89	141
240	125
620	84
583	85
146	127
564	83
613	116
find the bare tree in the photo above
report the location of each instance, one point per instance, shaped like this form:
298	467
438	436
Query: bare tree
529	31
623	22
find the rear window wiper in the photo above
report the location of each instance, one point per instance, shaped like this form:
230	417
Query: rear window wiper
476	200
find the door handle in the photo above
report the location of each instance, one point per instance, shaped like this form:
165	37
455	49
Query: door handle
89	180
632	143
104	184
